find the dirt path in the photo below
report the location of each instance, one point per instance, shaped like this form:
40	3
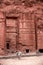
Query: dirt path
36	60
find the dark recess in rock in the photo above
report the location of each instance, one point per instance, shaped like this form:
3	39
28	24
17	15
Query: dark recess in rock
1	1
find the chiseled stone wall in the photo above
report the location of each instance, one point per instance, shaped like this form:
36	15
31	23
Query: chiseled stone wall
24	24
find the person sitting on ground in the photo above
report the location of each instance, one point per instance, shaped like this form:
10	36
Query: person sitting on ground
19	53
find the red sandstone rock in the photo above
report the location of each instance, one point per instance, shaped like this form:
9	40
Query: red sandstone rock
21	31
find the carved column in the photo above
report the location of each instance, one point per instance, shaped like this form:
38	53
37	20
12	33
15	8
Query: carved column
2	32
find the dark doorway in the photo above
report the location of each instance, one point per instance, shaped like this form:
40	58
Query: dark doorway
27	50
41	50
8	45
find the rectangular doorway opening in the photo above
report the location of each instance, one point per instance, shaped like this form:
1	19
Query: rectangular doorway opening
27	50
8	44
41	50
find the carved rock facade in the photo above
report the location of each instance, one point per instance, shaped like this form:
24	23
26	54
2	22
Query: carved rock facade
23	25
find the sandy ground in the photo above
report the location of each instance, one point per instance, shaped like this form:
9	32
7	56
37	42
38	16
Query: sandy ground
35	60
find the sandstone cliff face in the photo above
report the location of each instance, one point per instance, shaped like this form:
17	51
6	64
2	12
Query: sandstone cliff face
24	24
